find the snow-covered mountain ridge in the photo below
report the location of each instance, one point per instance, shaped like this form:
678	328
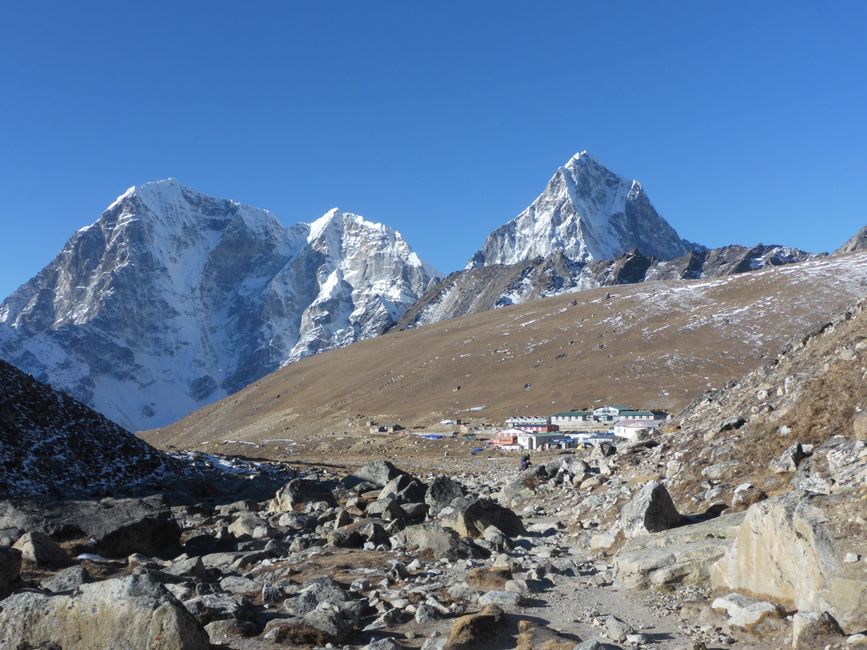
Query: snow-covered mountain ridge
586	213
173	299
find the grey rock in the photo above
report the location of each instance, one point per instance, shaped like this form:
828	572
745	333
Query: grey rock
501	598
385	509
442	491
404	489
119	527
682	555
319	590
617	630
187	566
437	541
69	579
470	518
649	511
131	612
250	525
10	568
425	614
814	630
378	473
239	585
790	548
299	492
789	460
41	551
215	607
328	618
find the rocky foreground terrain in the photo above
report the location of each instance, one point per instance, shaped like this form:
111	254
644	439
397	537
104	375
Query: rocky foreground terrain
740	526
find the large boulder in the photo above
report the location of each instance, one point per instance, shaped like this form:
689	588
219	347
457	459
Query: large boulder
404	489
434	542
837	465
299	491
131	612
40	550
790	549
525	484
321	590
649	511
119	527
470	518
442	491
356	534
10	568
682	555
378	473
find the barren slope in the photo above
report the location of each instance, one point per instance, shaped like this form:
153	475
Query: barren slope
657	344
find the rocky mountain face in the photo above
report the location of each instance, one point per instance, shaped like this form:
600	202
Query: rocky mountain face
52	445
858	242
173	299
489	287
586	212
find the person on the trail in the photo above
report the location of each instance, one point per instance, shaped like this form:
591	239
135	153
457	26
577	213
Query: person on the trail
524	463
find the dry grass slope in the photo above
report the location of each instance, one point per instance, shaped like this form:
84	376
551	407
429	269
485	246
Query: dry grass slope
658	344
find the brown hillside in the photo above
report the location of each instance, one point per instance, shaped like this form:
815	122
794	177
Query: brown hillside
657	344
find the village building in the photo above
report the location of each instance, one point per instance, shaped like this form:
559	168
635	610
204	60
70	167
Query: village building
634	428
631	414
589	437
507	439
533	441
536	424
569	419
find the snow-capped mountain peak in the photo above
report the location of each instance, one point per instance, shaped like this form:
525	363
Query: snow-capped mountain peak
586	212
173	299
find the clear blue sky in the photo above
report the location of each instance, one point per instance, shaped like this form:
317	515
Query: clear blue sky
745	121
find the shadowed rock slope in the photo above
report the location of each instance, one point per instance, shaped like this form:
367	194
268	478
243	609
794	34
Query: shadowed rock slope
52	445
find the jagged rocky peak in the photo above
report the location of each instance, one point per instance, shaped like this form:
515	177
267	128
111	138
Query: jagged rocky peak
587	212
858	242
173	299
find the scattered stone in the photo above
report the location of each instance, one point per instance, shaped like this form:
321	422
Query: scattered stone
719	471
746	494
616	630
501	598
744	612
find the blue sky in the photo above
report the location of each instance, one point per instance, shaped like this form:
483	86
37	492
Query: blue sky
745	121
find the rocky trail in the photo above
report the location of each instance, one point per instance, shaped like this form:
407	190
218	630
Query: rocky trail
377	558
